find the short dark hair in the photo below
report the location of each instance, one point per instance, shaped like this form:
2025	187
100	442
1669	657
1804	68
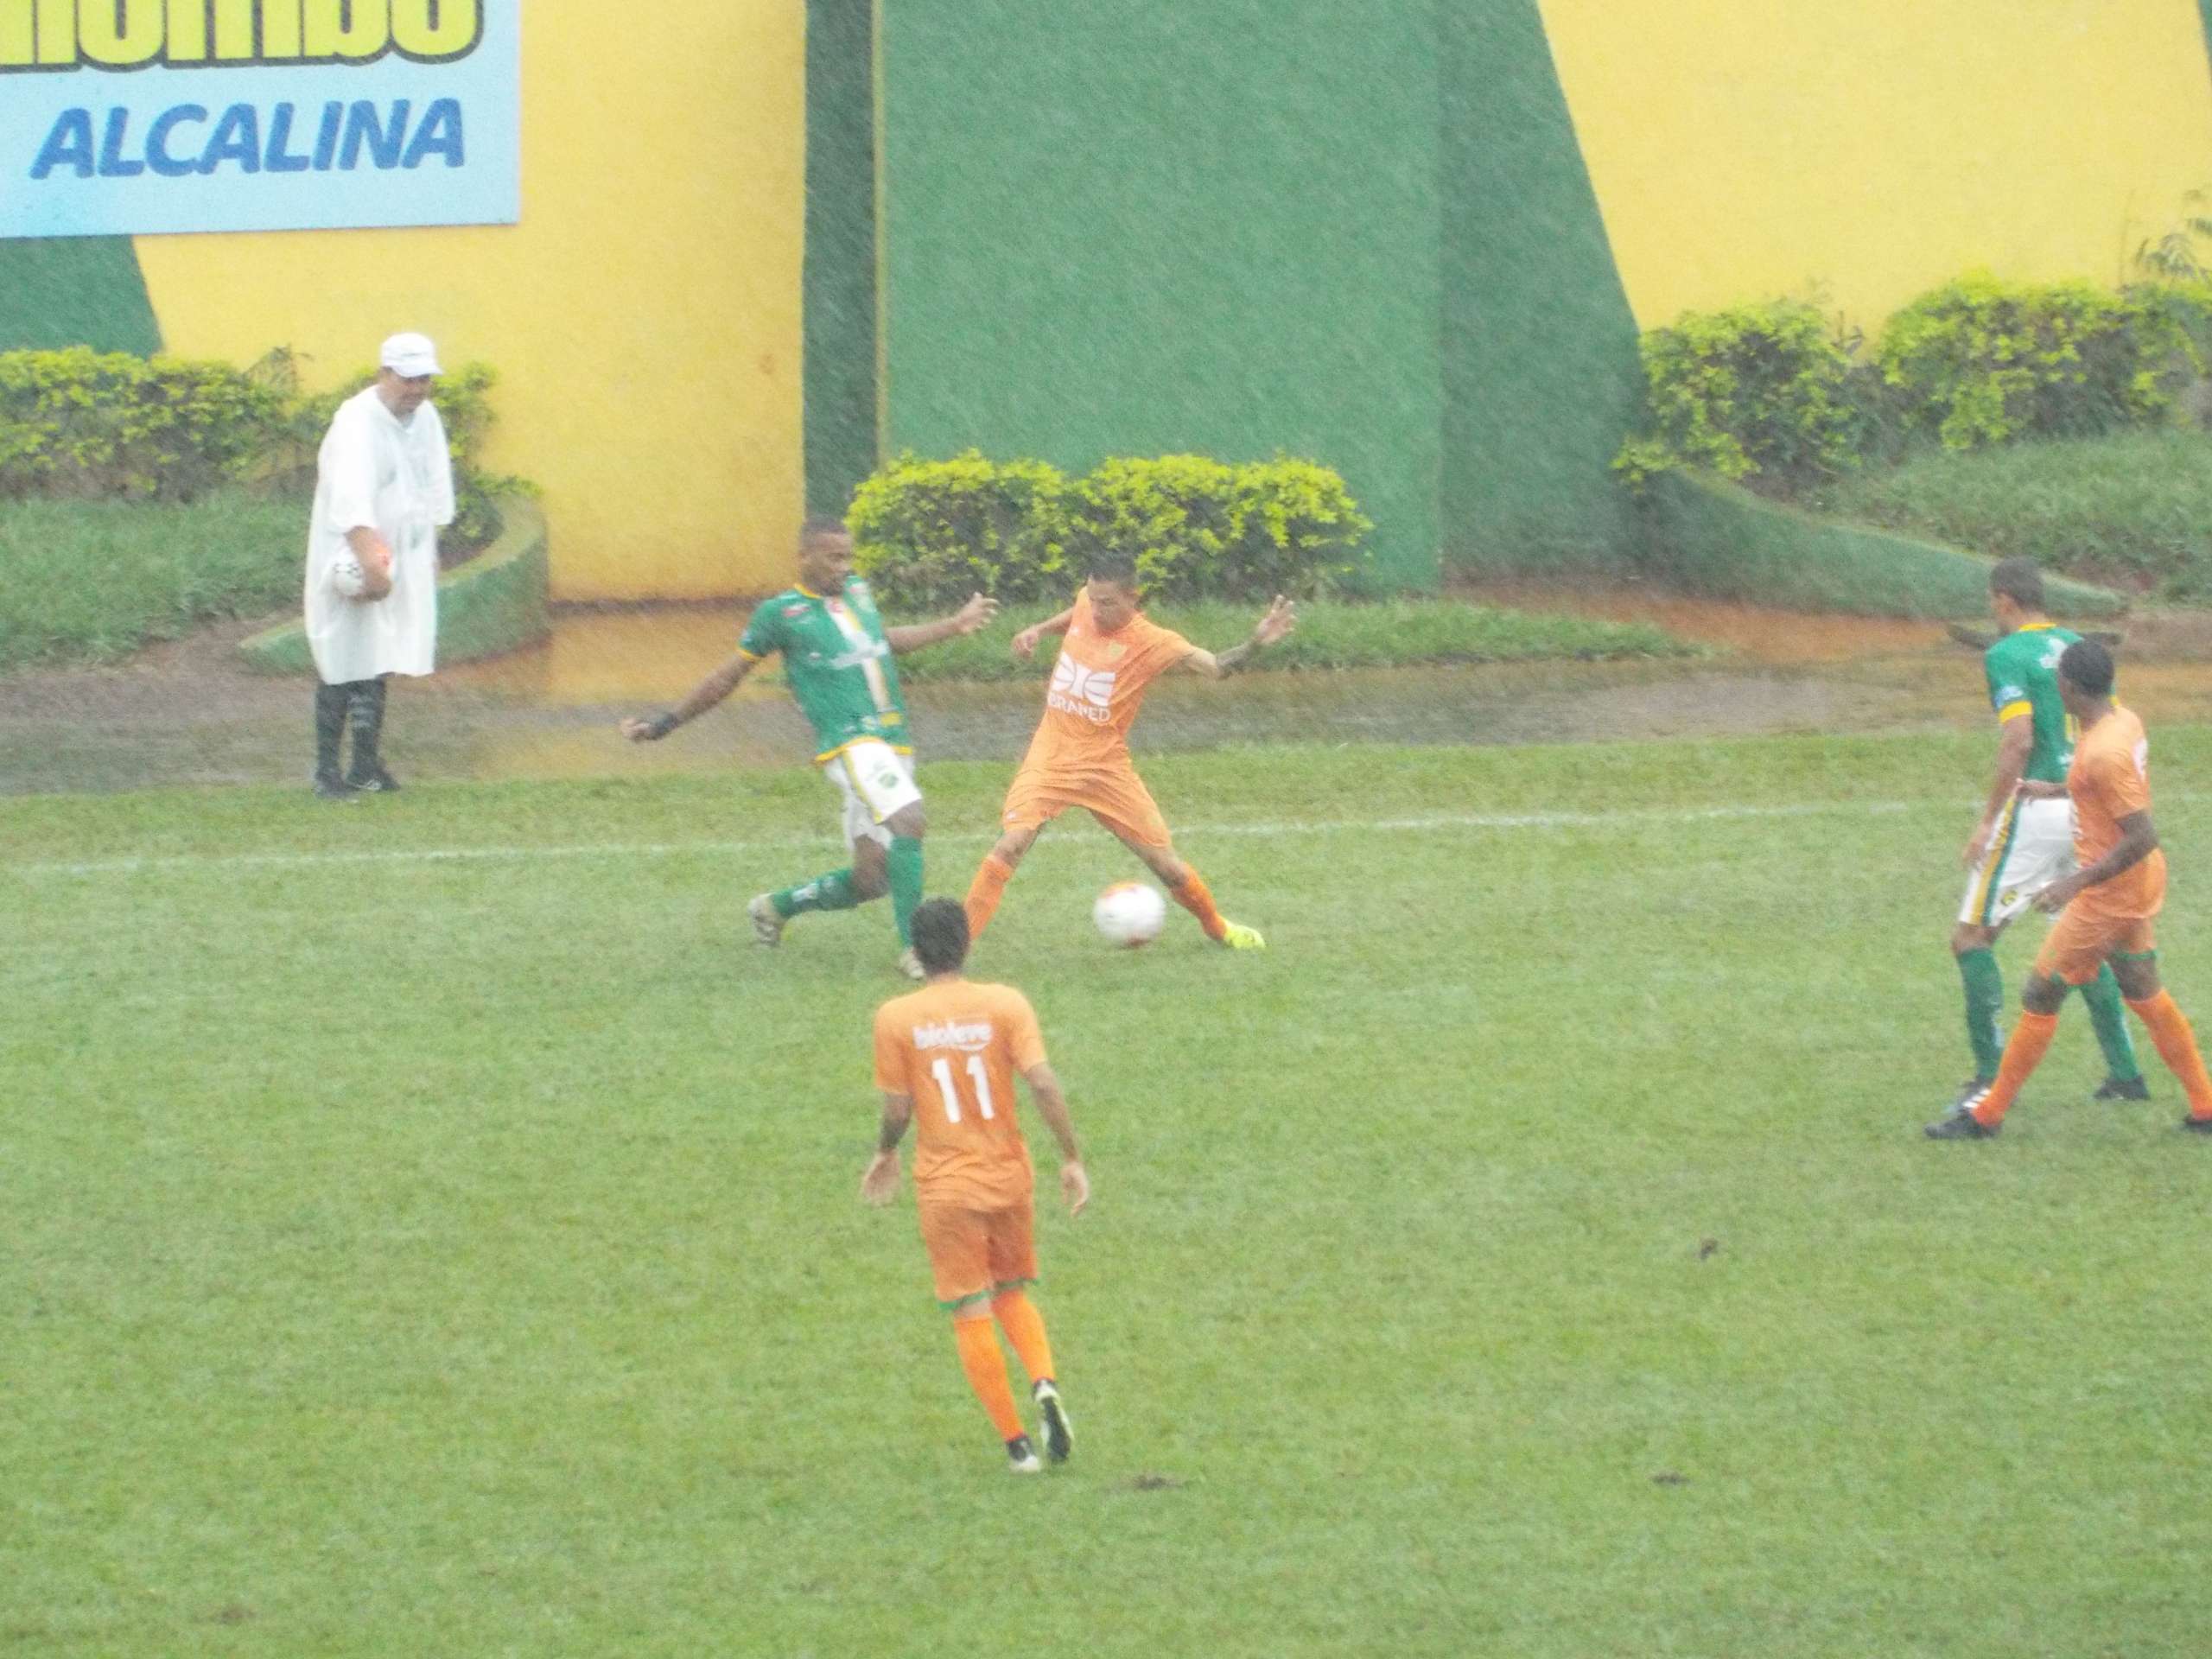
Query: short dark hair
821	526
939	930
2020	581
2088	665
1114	565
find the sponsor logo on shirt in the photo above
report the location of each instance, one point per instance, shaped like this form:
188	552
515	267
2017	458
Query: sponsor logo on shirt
1083	692
972	1037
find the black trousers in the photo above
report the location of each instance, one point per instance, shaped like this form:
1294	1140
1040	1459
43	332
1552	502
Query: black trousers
357	704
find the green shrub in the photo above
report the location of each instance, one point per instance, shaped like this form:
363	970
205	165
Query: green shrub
934	531
930	532
89	424
1979	361
1762	393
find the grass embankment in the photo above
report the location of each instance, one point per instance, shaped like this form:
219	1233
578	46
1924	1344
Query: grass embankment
1533	1252
1334	633
2133	510
94	581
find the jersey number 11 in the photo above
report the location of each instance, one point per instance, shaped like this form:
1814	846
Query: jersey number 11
941	1069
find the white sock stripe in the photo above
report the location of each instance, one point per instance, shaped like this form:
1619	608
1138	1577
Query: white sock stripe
1472	821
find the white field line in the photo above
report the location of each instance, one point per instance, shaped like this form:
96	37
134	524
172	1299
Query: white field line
1476	822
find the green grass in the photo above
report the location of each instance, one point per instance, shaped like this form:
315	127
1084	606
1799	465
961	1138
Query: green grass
1336	634
1533	1253
94	581
2134	509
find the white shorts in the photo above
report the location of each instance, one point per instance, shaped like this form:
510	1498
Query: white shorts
2033	847
875	781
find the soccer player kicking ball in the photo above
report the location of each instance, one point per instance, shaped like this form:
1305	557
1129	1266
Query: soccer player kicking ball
837	660
2024	843
2105	907
946	1055
1112	652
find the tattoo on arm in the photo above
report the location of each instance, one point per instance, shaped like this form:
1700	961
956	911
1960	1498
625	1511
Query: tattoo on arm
897	1112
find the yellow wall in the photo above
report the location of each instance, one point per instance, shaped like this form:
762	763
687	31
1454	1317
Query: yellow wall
644	316
1745	148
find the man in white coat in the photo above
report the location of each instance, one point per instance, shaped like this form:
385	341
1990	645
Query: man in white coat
384	484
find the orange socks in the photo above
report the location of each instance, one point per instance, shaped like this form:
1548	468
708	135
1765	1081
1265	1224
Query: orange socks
986	1368
2177	1043
1194	896
1025	1328
984	893
2030	1041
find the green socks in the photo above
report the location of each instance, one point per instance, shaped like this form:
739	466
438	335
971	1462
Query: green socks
830	892
1985	989
905	865
2106	1014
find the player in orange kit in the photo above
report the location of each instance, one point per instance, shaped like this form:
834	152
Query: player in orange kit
1080	756
945	1057
2106	905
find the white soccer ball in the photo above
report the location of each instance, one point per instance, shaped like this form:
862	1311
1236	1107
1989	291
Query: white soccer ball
347	577
1130	913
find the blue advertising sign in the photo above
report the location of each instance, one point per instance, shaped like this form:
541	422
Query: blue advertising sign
131	117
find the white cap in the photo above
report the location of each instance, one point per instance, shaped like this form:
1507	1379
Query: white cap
409	355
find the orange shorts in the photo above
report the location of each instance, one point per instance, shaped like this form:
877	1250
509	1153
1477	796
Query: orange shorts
2085	935
1117	799
975	1253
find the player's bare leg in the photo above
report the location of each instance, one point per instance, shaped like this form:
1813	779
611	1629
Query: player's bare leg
993	873
1188	889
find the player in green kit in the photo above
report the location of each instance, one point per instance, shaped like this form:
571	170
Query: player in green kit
837	657
2021	846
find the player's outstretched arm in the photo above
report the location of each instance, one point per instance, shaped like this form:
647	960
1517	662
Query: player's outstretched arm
1025	642
2016	740
879	1181
1052	1107
975	614
704	695
1274	624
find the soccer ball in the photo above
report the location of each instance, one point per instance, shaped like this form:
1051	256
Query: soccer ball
1130	913
347	577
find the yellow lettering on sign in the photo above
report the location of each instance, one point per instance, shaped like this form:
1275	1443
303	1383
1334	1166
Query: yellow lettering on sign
280	30
436	29
18	48
121	33
57	31
233	30
187	41
358	31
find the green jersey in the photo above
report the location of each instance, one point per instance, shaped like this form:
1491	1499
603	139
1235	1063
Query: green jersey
837	662
2023	671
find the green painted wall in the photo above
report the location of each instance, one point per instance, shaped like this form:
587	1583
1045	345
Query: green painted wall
80	290
839	280
1541	375
1129	228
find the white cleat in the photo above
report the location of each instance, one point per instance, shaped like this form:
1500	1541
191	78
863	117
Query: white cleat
911	965
767	926
1021	1456
1059	1429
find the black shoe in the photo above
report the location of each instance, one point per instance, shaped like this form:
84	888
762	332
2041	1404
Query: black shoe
330	787
2122	1089
1969	1091
379	782
2196	1125
1960	1126
1059	1433
1021	1456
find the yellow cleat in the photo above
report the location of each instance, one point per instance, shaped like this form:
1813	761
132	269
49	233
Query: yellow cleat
1238	936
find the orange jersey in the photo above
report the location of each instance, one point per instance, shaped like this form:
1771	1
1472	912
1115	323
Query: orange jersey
1098	684
954	1048
2110	779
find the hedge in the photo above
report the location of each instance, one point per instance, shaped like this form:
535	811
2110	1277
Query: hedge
930	532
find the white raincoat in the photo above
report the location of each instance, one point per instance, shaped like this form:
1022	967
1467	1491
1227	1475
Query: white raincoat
397	479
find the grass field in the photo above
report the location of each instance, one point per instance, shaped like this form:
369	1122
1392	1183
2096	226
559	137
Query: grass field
430	1230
